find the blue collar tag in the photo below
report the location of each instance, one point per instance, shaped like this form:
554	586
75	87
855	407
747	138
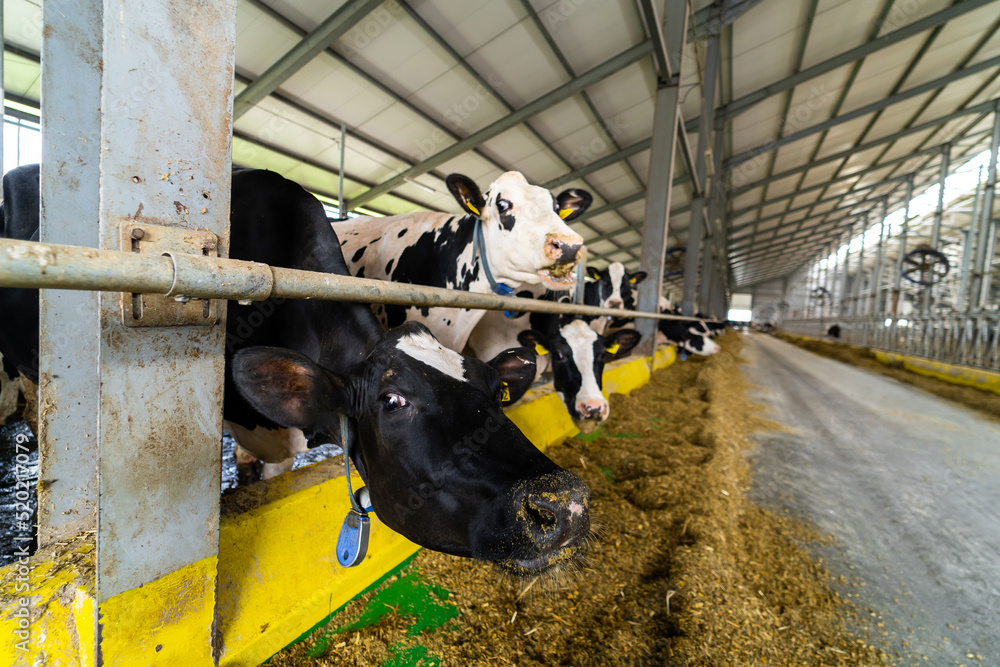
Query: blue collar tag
502	290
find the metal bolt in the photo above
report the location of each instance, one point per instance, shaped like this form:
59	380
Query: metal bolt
182	298
137	234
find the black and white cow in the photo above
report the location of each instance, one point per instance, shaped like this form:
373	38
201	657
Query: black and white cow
443	465
526	239
611	287
567	345
688	335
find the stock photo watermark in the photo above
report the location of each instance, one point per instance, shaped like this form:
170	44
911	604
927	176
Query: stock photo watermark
22	542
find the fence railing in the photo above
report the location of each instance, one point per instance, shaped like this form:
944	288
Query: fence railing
182	276
961	338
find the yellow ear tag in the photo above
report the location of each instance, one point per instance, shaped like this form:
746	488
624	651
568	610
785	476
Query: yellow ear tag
632	280
505	393
471	207
565	213
613	348
540	350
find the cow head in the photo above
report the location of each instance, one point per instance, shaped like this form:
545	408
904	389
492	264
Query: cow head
578	355
443	465
524	228
612	287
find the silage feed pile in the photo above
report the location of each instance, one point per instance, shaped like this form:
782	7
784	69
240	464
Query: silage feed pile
683	569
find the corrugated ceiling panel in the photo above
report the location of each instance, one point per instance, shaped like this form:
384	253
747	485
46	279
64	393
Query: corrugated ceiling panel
640	162
807	198
589	33
795	154
839	26
957	92
625	101
749	198
617	177
308	14
907	144
765	63
524	65
783	186
842	137
758	125
338	91
470	24
458	102
820	174
260	40
880	72
897	117
21	76
952	46
404	55
514	146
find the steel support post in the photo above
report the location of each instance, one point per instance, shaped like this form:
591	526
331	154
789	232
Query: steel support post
969	247
834	310
897	284
341	206
696	226
875	305
936	226
845	288
661	168
991	246
986	215
69	322
150	416
856	308
711	273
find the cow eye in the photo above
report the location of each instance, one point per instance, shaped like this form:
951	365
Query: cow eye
503	205
391	401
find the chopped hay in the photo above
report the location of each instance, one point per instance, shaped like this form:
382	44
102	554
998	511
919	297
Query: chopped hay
684	570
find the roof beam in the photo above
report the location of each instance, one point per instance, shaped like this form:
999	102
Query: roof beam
741	104
775	144
544	102
325	34
605	161
983	108
704	24
666	62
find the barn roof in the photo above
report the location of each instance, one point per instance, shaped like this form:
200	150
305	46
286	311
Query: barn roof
828	105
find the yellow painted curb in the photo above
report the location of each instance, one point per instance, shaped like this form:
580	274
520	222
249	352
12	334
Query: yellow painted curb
956	374
47	611
276	576
166	622
967	376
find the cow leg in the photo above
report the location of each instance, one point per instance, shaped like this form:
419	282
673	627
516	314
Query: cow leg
249	468
275	469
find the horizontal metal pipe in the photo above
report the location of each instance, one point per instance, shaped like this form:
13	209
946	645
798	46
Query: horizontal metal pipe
35	265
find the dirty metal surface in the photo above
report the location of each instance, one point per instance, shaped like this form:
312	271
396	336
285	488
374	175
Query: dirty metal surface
69	321
173	308
165	136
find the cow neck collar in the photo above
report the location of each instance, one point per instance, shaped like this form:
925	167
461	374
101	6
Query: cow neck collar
479	252
345	435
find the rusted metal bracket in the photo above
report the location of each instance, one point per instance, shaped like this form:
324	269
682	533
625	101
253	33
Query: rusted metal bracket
173	308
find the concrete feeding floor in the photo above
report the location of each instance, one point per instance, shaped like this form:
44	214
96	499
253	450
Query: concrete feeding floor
907	483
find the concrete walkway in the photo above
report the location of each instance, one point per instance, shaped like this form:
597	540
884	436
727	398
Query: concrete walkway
909	485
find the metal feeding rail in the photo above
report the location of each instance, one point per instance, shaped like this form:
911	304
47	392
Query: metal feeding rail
184	277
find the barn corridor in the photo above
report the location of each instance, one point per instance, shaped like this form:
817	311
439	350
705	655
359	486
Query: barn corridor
907	483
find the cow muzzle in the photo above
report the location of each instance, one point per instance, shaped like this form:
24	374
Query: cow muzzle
553	512
564	252
563	249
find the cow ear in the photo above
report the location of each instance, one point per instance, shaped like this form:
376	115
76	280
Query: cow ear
288	388
466	193
637	277
593	274
516	367
573	202
621	342
534	340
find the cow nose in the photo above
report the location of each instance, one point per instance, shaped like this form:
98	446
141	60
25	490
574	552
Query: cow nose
557	517
616	303
593	409
563	250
